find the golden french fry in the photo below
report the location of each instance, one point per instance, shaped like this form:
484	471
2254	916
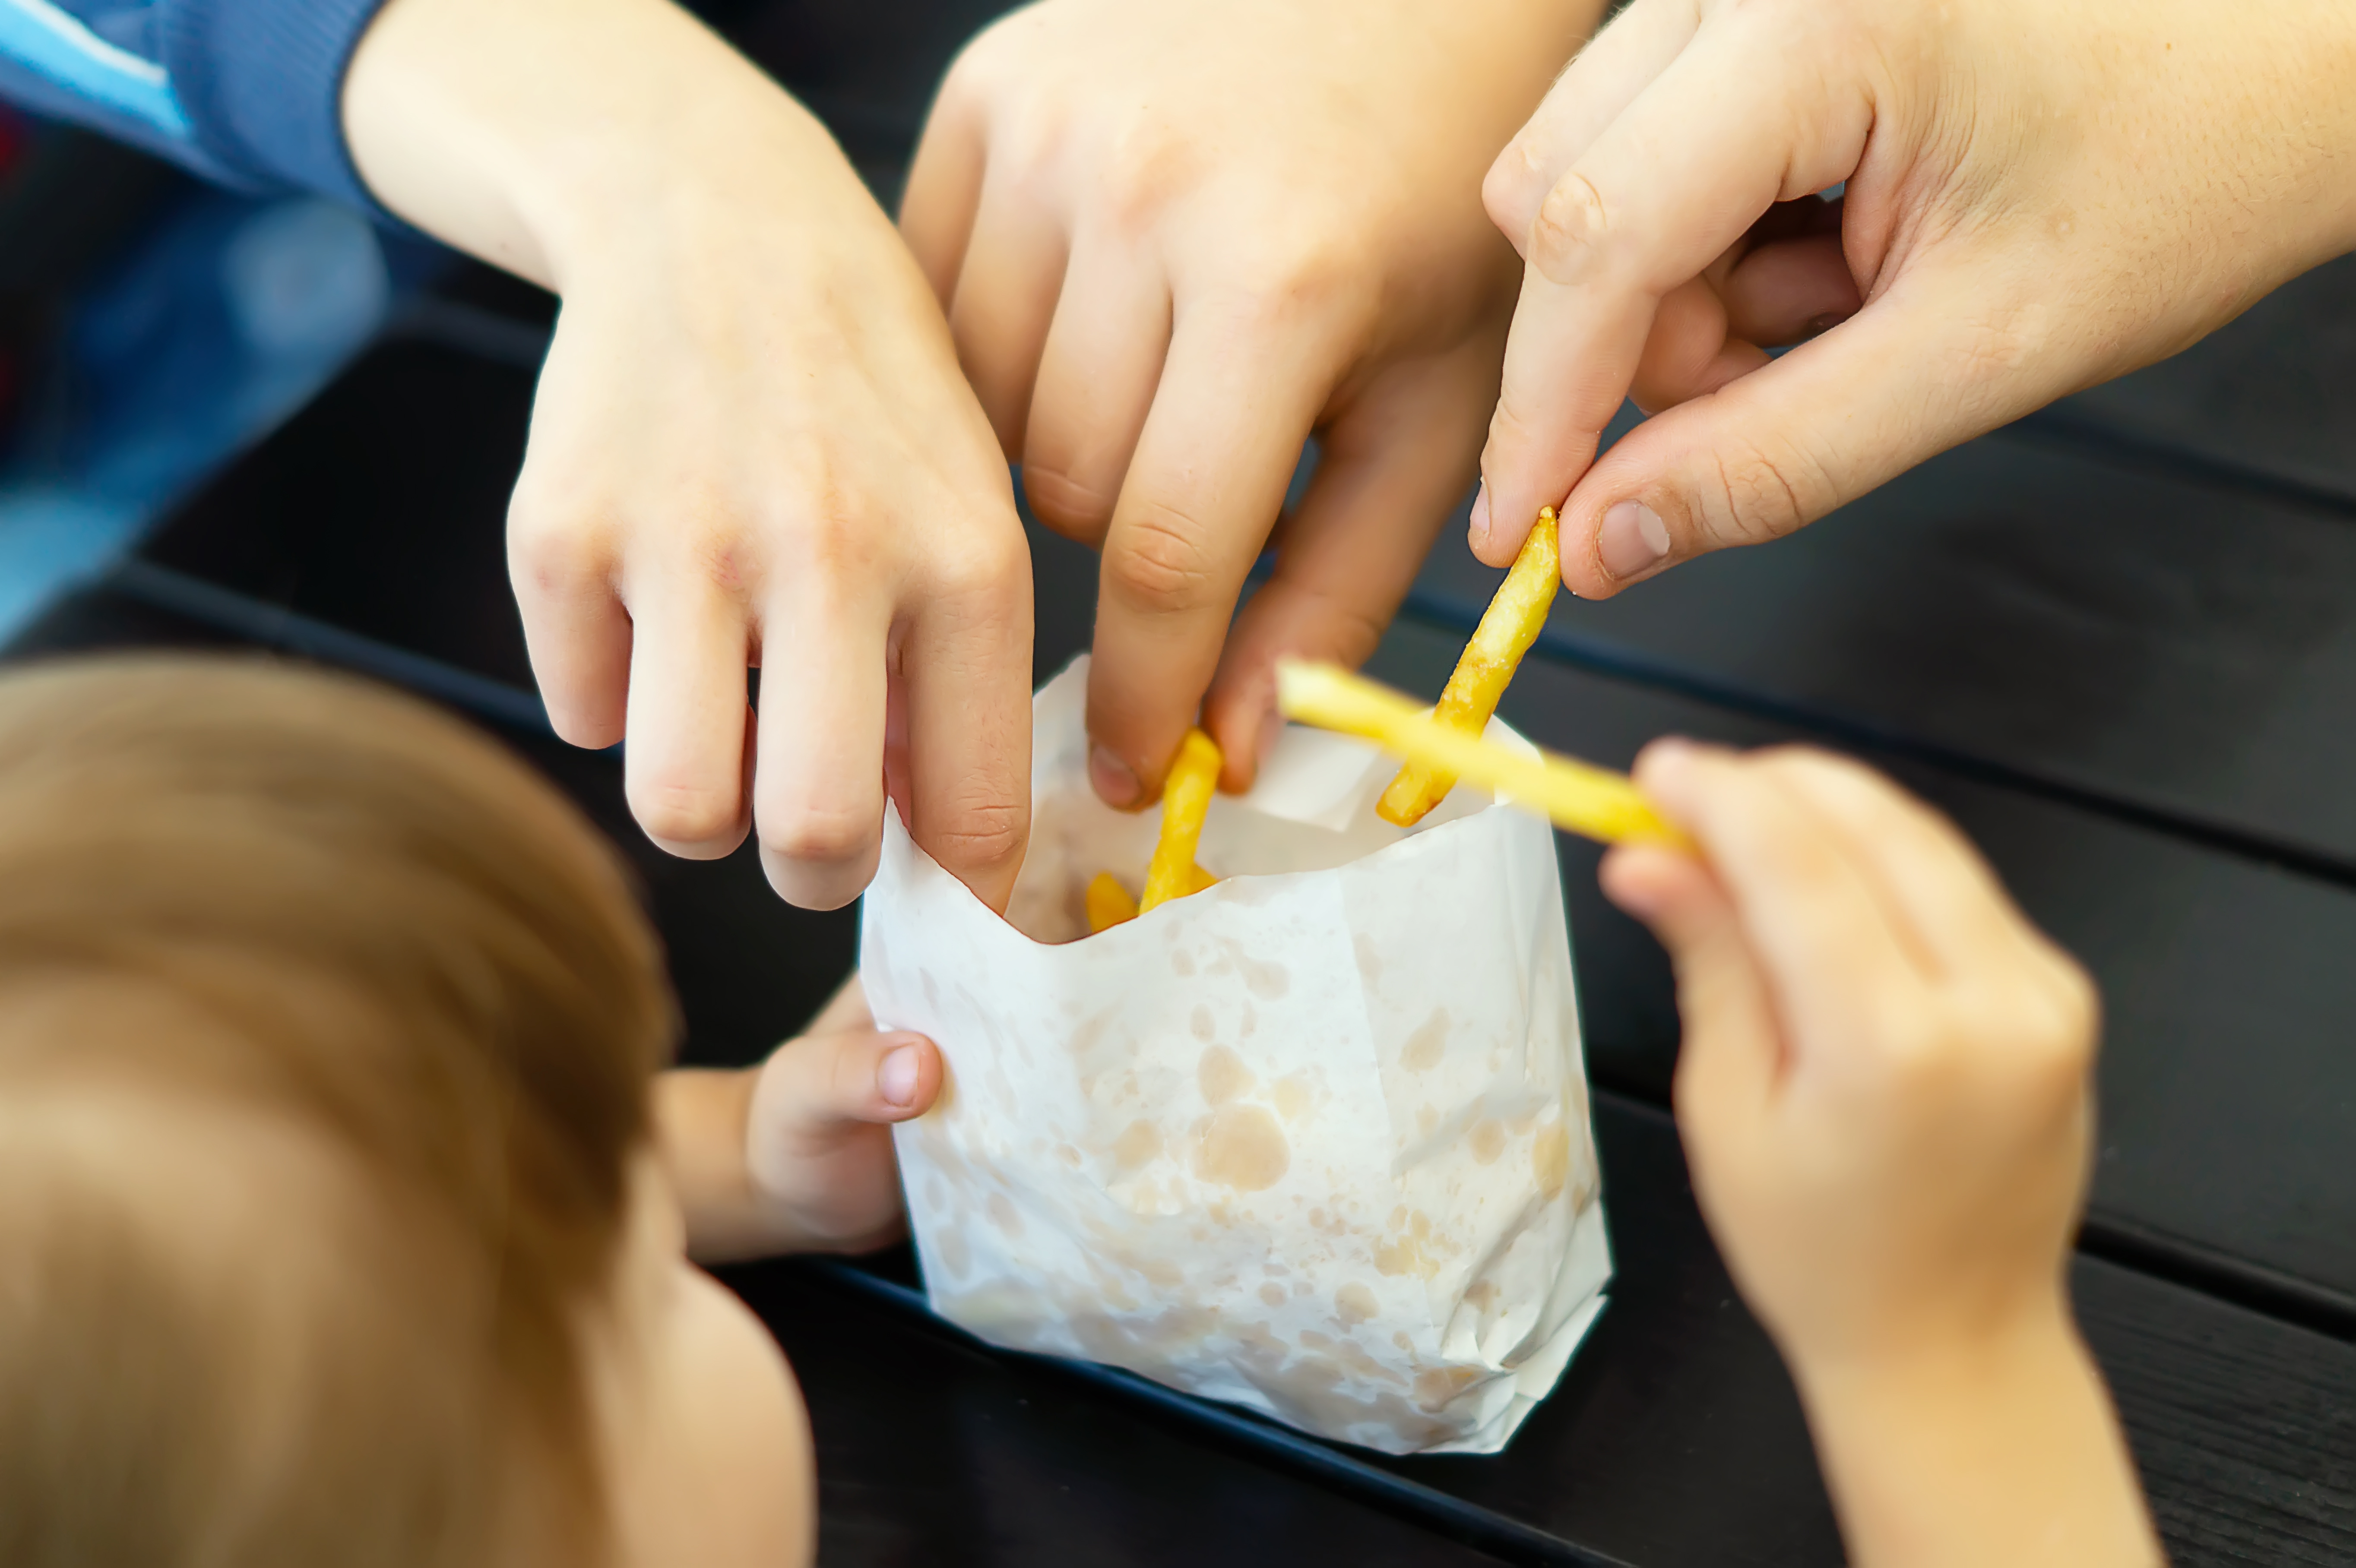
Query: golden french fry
1109	903
1507	628
1185	799
1586	800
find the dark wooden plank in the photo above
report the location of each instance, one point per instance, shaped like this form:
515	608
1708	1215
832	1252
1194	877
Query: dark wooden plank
2227	1085
2185	650
380	507
933	1451
2270	394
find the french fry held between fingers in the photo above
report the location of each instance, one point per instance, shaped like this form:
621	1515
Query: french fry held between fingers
1591	801
1507	628
1186	800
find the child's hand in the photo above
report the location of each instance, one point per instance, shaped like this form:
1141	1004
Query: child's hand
752	442
1883	1085
1883	1090
2038	197
795	1156
1176	237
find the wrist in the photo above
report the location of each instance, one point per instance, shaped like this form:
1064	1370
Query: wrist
701	1122
1996	1445
544	135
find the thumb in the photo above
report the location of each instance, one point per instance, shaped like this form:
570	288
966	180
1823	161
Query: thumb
1918	370
816	1088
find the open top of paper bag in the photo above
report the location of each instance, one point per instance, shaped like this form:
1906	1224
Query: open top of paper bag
1314	1141
1312	808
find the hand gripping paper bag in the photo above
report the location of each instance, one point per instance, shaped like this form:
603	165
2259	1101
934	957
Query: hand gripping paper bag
1315	1142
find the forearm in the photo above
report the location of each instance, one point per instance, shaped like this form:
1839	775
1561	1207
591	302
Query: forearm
702	1118
539	135
2005	1452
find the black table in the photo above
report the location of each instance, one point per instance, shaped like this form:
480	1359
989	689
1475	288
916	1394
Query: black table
2117	642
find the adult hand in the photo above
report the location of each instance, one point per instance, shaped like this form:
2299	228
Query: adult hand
751	443
2038	197
1174	238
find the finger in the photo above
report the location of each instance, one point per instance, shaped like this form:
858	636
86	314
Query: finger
1731	1051
1956	913
1841	976
1389	471
1235	404
683	771
1909	376
944	190
1606	76
575	631
1690	351
1004	298
1103	355
965	668
1708	147
826	1084
819	790
1790	290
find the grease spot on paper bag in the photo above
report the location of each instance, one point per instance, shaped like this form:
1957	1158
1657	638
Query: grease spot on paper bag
1425	1046
1139	1145
1241	1146
1222	1076
1354	1303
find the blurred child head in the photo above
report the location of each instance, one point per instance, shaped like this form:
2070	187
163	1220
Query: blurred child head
331	1227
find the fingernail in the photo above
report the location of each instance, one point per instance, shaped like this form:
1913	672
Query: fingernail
1115	781
1632	540
1479	531
895	1076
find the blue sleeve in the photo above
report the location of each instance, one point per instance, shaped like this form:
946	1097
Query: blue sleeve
247	92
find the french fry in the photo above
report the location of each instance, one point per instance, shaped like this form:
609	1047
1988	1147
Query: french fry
1109	903
1507	628
1586	800
1185	799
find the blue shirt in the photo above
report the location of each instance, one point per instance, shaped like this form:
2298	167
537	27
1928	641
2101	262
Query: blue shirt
247	92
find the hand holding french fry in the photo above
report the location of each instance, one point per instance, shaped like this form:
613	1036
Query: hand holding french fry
1173	872
1883	1090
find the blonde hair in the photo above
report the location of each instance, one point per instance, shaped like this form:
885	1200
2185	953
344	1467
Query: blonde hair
374	931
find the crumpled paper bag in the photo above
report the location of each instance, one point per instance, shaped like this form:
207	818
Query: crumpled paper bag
1315	1142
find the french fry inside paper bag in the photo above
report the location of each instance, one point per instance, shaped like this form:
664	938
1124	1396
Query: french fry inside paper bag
1313	1141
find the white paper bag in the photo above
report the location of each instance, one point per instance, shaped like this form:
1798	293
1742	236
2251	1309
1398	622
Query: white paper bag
1314	1141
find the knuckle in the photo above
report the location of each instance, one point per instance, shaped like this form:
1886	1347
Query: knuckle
556	551
1162	566
979	835
1067	506
814	837
987	571
684	813
1757	491
1148	163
